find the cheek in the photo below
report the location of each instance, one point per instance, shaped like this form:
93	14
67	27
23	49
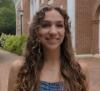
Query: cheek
62	33
41	35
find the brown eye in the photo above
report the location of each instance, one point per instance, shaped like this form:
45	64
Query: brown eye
59	25
45	24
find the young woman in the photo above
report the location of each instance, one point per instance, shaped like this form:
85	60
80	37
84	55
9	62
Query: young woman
49	63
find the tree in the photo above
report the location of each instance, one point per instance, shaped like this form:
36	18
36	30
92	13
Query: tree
7	17
6	3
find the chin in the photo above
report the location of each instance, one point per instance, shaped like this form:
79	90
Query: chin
52	47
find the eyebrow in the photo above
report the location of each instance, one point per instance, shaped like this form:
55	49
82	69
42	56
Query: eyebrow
58	21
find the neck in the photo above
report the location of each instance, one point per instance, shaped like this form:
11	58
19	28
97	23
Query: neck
51	66
52	57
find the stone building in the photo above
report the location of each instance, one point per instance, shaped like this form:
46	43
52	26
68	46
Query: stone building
31	6
87	28
84	17
19	17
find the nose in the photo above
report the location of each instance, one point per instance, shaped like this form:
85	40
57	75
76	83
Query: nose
53	30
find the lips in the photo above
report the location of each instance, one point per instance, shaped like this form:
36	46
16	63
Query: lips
52	38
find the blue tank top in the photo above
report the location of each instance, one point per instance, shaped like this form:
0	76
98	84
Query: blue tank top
47	86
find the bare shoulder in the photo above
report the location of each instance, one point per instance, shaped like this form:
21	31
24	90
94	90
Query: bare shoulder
17	64
15	67
84	66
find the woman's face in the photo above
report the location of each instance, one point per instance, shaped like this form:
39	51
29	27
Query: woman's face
52	31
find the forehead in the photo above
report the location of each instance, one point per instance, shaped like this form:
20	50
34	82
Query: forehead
53	15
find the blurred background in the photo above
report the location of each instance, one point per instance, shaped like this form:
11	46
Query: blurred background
84	21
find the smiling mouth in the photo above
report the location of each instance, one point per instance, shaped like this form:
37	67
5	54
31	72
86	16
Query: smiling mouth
52	38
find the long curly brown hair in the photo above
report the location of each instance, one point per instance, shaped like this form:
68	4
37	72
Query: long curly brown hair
28	78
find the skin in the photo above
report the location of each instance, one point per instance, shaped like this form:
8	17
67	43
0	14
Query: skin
15	67
51	38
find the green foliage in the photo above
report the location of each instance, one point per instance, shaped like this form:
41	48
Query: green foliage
6	3
7	17
14	44
3	38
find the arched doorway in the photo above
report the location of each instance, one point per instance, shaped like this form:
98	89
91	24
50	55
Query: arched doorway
99	32
96	31
98	18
